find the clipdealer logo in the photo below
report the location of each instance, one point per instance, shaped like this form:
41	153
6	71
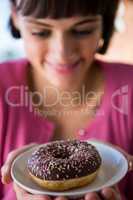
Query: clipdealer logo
122	95
119	99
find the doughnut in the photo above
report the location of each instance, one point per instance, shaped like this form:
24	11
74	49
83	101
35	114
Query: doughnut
64	164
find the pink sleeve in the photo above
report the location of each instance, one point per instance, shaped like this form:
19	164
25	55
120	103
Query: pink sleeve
1	145
3	123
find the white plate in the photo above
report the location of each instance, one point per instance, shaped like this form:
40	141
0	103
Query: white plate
114	168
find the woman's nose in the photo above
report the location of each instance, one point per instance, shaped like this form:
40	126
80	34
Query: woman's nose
63	49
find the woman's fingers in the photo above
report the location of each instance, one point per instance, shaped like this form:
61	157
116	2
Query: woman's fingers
105	194
130	163
110	194
60	198
92	196
5	170
19	192
23	195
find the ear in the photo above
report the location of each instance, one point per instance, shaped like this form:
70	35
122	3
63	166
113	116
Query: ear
101	43
14	16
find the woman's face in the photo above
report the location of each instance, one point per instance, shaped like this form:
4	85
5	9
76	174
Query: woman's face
61	50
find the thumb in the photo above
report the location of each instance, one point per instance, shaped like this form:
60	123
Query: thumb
6	168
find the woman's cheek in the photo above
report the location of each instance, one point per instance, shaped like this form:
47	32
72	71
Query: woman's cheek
88	51
35	50
90	45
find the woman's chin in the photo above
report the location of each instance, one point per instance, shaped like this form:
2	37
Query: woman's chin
68	81
61	82
62	85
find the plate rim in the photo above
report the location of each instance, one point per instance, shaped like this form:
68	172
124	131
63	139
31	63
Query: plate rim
68	193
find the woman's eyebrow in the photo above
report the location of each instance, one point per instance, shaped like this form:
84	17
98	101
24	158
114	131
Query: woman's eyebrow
88	20
39	23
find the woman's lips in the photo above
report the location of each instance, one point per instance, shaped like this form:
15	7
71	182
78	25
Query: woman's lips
64	68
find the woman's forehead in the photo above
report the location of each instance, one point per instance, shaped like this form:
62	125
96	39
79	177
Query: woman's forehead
88	18
65	22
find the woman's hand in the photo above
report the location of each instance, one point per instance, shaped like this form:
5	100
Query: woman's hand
23	195
5	170
105	194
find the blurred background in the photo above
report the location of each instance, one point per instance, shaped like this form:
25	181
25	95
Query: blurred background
121	48
9	47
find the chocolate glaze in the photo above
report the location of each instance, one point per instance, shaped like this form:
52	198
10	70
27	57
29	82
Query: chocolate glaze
63	160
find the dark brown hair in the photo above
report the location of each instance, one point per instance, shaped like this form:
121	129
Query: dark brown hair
67	8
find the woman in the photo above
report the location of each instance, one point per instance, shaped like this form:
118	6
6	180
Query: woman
61	91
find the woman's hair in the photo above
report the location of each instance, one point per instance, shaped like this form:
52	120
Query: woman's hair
58	9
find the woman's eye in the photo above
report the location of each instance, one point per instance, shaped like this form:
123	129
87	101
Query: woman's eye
42	34
82	33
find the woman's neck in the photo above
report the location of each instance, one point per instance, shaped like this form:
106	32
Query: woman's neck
73	98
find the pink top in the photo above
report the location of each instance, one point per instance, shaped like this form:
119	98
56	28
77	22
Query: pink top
112	123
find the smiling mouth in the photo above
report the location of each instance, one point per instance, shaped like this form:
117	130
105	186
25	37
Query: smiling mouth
64	68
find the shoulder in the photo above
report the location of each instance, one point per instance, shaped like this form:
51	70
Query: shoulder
13	73
120	73
120	95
